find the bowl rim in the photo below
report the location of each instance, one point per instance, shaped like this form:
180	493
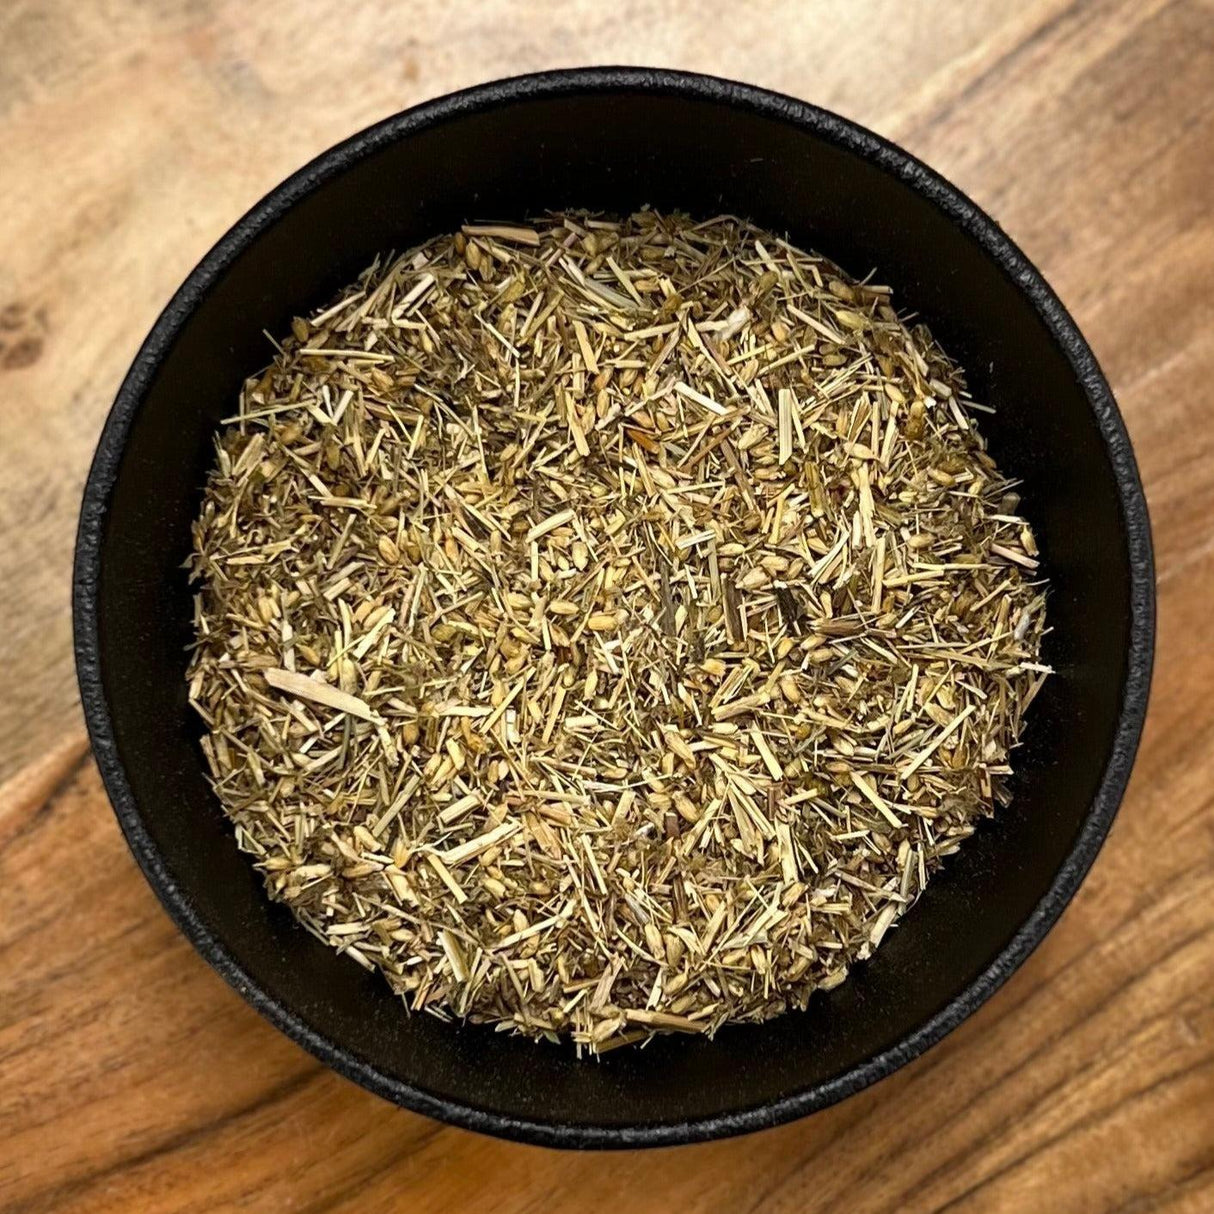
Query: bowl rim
844	134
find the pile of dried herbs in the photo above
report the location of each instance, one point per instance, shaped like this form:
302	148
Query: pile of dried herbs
608	626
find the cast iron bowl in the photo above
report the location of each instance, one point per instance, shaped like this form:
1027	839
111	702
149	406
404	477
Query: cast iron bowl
615	139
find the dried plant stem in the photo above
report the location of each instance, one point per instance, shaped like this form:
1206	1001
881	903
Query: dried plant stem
606	627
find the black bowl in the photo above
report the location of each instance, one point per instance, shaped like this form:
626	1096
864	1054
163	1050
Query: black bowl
613	140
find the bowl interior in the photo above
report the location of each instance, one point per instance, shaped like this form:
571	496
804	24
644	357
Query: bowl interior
512	154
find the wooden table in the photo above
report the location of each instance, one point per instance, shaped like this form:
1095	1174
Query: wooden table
131	134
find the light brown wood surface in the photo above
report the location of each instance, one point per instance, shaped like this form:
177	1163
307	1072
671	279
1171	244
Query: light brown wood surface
132	132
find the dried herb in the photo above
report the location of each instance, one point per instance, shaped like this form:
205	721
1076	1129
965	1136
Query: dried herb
606	627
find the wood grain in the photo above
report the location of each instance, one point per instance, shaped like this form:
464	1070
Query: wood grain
133	132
